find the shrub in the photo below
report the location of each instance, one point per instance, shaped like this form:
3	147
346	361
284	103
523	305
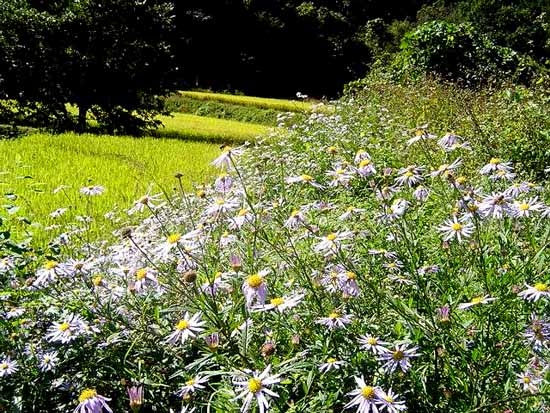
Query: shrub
351	262
458	52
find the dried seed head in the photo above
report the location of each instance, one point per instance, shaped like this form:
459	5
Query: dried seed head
190	276
268	349
126	233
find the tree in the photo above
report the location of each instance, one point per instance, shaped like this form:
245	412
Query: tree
113	58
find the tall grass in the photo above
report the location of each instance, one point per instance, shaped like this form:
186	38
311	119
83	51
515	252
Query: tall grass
34	166
266	103
192	127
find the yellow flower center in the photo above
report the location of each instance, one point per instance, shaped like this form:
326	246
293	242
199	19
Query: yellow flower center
182	325
392	265
332	236
50	265
254	385
351	275
220	201
398	355
408	174
243	212
87	394
97	280
372	341
173	238
456	226
476	300
526	380
331	149
277	301
368	392
494	161
523	207
443	167
340	171
190	382
294	213
331	360
4	366
307	178
201	193
334	315
542	287
364	162
64	327
388	398
255	280
141	273
461	180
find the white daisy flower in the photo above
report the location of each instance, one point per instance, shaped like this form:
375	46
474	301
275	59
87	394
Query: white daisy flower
146	201
281	303
304	179
92	190
528	382
494	165
476	301
527	207
331	364
332	242
410	176
192	385
256	386
389	402
373	344
335	320
48	361
255	288
186	328
8	367
446	169
497	205
69	329
364	397
458	229
227	157
535	292
399	356
91	402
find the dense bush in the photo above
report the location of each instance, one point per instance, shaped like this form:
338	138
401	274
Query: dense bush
352	262
459	52
509	122
221	110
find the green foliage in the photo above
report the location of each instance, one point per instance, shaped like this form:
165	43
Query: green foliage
353	228
127	167
111	57
258	102
458	52
221	110
509	122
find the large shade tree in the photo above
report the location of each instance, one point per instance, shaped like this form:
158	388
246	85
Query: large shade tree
113	58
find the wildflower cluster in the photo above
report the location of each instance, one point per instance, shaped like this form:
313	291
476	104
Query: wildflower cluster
320	270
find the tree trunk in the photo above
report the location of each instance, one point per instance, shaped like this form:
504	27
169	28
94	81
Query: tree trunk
82	111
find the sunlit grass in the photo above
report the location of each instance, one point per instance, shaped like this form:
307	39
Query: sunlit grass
185	126
266	103
33	166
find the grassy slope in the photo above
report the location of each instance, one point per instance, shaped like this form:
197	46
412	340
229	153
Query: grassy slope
125	166
185	126
265	103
